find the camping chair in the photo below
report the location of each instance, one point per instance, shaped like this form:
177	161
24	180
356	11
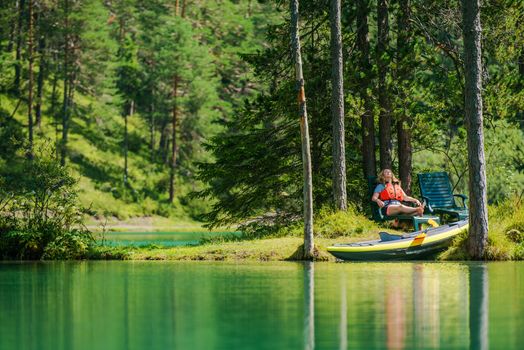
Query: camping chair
379	217
436	190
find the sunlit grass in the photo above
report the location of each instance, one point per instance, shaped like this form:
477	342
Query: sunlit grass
506	230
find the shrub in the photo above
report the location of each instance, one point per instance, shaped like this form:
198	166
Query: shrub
39	214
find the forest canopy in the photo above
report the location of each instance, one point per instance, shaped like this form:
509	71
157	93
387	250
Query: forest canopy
187	108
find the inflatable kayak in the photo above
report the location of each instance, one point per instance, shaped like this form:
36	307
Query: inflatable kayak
415	245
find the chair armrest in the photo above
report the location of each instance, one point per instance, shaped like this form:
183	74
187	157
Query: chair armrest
374	206
428	204
464	199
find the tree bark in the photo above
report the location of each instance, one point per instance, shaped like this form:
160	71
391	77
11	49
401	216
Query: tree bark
306	152
152	127
126	139
12	29
173	144
40	81
368	125
337	109
163	143
18	59
386	145
30	72
65	102
404	78
478	209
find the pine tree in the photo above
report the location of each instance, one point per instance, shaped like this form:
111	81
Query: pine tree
337	106
386	144
478	217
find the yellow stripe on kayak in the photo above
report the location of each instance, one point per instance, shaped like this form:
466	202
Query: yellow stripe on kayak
398	245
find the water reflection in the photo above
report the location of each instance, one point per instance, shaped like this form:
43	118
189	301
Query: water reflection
343	334
165	305
425	306
478	307
309	306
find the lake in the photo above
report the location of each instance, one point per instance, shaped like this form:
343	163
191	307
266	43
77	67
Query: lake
210	305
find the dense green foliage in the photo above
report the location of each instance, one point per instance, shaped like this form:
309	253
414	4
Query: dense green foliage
40	217
257	167
93	60
140	97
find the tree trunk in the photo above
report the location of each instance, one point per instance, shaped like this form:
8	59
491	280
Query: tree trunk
65	102
404	78
163	143
18	60
173	144
12	29
126	140
368	125
40	81
152	128
386	145
478	209
54	99
306	153
30	71
337	109
183	13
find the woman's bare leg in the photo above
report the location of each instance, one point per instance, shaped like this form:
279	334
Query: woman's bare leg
403	209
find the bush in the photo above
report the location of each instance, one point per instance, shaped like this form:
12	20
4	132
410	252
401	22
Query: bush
39	215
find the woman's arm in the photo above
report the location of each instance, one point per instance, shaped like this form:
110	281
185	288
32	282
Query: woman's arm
375	199
411	199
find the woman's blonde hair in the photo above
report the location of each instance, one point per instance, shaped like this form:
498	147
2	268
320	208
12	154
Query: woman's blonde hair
382	180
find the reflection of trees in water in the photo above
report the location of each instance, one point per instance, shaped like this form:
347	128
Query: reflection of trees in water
398	306
309	306
343	329
395	309
478	306
426	306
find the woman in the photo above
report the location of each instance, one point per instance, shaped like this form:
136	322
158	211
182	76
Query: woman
389	196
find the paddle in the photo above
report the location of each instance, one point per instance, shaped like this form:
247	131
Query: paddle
418	239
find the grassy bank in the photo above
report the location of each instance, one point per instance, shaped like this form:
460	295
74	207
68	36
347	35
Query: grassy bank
281	245
505	236
504	243
267	249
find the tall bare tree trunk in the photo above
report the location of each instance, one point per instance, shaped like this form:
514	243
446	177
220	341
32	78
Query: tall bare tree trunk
306	152
152	127
30	85
40	80
18	60
404	78
337	109
12	29
174	121
183	12
126	138
368	124
386	145
478	210
65	102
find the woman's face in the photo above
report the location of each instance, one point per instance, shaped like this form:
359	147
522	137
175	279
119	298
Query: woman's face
388	175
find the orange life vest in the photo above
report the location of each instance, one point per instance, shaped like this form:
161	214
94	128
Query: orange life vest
392	192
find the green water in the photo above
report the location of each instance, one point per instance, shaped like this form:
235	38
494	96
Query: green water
164	239
200	305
